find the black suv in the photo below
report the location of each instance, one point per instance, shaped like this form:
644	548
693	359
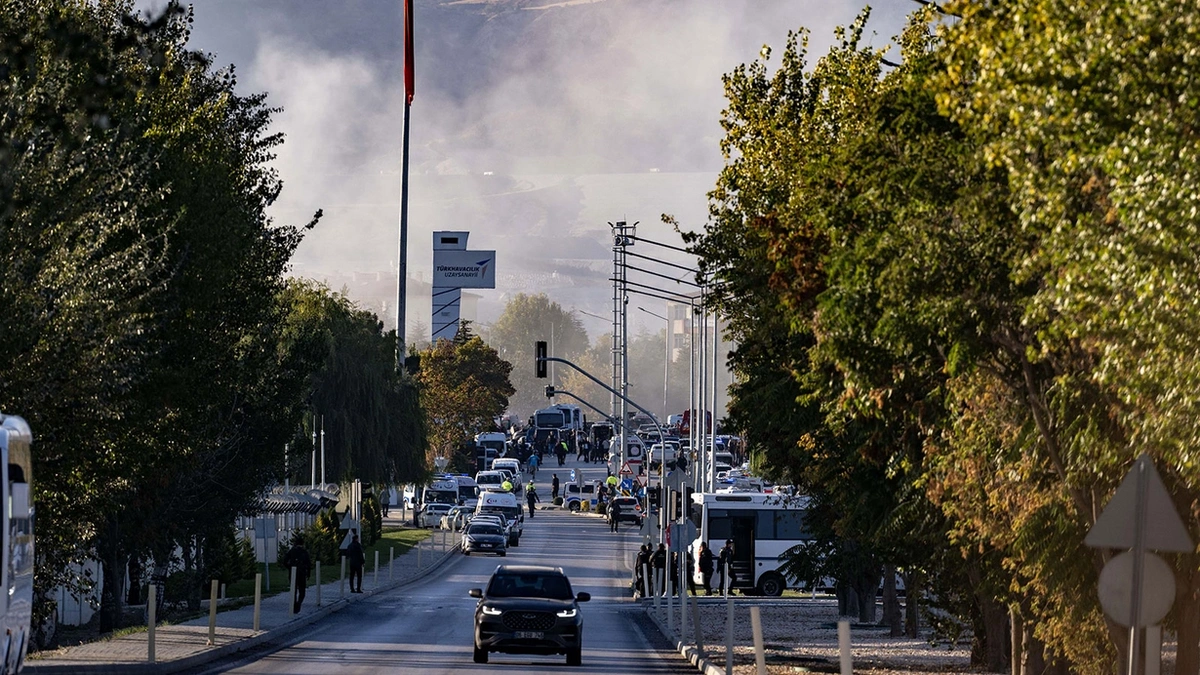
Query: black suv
528	609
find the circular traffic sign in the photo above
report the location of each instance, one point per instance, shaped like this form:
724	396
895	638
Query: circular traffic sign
1116	589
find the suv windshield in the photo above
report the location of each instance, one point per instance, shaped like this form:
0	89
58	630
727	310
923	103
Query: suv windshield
485	529
552	586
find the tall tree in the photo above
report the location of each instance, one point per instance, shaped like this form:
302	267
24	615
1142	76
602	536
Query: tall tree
464	390
526	320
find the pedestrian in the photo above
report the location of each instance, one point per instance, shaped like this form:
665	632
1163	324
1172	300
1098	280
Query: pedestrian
639	575
706	566
674	573
554	487
659	562
614	515
690	571
725	565
531	496
297	558
533	464
561	453
385	500
583	451
356	558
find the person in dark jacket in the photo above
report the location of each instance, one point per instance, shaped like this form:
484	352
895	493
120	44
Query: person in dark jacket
297	558
356	558
725	565
643	559
706	566
554	487
659	562
614	516
531	496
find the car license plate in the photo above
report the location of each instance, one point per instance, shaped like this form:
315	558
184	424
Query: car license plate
485	546
529	635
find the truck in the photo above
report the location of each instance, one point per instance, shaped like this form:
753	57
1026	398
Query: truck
494	444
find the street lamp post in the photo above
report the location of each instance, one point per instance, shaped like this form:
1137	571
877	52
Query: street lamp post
666	361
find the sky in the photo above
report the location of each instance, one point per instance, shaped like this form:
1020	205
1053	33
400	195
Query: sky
534	124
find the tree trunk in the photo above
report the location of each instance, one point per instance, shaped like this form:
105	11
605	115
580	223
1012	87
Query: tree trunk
913	583
191	575
846	599
996	651
891	603
1187	619
1033	653
865	586
1017	630
112	565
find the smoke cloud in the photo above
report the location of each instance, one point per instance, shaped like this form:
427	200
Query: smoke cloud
534	124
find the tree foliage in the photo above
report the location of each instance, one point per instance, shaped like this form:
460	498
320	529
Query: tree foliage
964	282
527	319
464	390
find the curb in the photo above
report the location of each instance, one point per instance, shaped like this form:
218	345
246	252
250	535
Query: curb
689	652
209	655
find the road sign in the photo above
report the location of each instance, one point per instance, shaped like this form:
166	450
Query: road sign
1116	526
348	523
625	470
1116	589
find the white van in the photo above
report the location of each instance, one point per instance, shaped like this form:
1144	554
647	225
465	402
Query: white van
513	465
505	503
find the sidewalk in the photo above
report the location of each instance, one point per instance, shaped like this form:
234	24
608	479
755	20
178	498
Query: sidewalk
185	646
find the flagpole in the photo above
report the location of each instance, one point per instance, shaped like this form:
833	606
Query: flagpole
402	254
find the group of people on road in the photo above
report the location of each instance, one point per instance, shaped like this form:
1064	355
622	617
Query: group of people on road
708	564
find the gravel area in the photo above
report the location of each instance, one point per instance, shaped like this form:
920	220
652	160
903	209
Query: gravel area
800	635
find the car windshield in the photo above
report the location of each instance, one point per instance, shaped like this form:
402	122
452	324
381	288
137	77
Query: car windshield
552	586
485	529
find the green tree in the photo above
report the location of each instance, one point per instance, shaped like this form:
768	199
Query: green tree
464	388
527	319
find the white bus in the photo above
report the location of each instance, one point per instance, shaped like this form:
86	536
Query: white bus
762	527
16	568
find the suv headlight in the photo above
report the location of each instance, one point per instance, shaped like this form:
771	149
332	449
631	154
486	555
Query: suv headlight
491	611
568	613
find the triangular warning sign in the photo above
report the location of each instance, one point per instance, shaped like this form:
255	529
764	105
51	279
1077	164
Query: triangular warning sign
348	523
1117	525
625	470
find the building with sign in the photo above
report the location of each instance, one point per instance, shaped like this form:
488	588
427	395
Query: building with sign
456	268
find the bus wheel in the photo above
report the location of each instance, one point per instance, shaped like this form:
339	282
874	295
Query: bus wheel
771	585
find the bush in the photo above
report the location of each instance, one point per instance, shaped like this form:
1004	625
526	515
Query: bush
585	505
558	501
602	508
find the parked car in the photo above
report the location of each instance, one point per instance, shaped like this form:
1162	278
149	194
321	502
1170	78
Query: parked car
430	515
631	510
485	538
528	610
457	517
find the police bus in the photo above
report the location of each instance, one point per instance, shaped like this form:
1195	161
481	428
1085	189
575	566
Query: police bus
16	568
762	527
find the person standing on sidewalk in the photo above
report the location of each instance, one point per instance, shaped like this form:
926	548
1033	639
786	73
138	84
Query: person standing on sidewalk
554	487
297	558
706	566
725	565
614	515
659	562
356	558
385	500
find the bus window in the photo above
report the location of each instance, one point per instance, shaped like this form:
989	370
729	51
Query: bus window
764	528
790	525
698	515
719	526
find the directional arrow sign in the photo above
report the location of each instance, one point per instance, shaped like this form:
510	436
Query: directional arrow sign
1116	526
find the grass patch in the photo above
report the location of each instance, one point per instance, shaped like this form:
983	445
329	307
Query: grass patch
278	579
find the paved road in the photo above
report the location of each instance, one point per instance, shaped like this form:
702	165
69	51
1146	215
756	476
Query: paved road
427	628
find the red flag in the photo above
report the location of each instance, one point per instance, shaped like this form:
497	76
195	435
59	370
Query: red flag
409	77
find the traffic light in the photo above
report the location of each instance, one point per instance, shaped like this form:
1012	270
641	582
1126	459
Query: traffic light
539	356
549	391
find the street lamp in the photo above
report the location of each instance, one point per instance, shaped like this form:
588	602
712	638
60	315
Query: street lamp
666	365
